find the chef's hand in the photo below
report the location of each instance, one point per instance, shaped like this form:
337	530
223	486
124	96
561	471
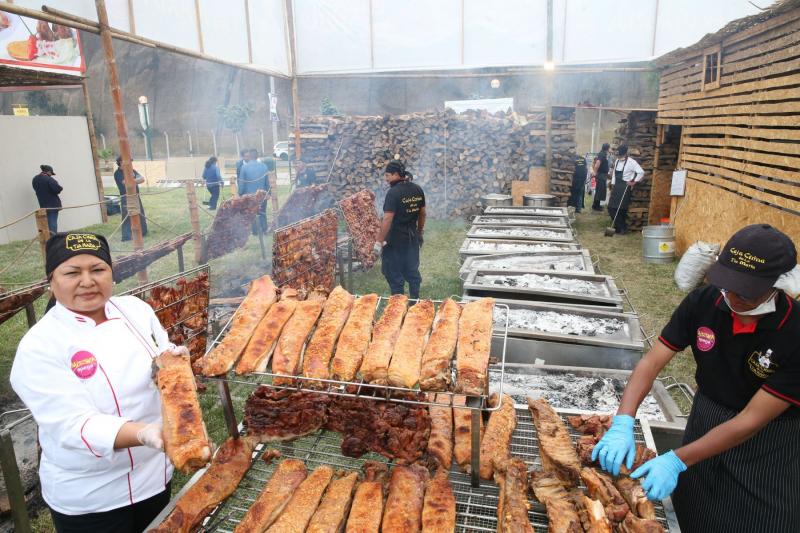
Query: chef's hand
617	445
377	248
661	475
151	436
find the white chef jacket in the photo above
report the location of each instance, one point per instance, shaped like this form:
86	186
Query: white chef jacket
631	170
82	382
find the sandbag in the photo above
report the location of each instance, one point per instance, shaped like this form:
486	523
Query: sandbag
694	264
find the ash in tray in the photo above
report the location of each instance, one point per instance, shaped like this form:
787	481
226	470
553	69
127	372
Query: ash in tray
521	232
512	247
546	262
554	322
543	281
523	221
569	391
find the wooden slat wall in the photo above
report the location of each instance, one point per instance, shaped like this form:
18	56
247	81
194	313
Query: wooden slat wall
741	139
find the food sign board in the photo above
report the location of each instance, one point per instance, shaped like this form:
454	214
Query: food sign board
36	44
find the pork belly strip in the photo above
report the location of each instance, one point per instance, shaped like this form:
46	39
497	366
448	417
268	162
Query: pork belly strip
375	367
367	508
403	513
259	299
304	502
354	339
286	359
227	469
332	511
562	516
474	344
496	440
555	446
407	354
634	494
462	434
439	507
438	354
632	524
186	441
440	443
318	353
600	487
273	498
513	506
259	350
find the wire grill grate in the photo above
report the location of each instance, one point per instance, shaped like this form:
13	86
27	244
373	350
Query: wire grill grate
476	508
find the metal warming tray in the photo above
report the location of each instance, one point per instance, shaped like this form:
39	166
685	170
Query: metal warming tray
506	220
498	246
567	260
524	233
527	211
606	292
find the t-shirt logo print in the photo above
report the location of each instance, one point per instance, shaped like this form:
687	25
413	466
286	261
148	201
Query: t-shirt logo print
705	339
83	364
761	364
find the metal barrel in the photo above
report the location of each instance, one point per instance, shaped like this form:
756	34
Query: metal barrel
658	244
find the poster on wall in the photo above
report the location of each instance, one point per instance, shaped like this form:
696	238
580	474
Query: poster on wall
36	44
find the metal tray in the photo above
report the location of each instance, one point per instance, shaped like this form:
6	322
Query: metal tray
474	286
579	260
510	220
502	246
476	507
530	211
526	233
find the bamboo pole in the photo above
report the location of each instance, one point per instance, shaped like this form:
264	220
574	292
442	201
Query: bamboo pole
93	143
194	218
132	201
43	230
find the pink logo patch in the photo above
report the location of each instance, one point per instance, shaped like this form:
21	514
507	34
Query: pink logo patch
705	339
84	364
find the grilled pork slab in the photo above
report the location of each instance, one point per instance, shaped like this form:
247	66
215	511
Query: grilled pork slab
304	502
274	497
555	445
440	443
367	509
332	511
496	440
354	339
259	350
375	367
435	371
439	507
403	513
317	357
474	345
407	354
562	516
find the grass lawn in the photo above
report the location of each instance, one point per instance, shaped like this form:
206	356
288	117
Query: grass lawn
650	287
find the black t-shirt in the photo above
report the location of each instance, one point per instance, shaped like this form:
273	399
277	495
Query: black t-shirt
404	199
603	158
307	178
731	367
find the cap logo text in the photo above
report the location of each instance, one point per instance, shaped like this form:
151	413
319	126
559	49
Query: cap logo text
82	241
745	259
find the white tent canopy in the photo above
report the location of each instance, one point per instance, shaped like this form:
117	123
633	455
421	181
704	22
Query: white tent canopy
363	36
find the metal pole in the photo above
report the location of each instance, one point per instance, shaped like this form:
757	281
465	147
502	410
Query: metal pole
148	132
189	136
274	124
236	138
594	126
263	148
103	140
146	147
214	141
227	408
122	131
14	488
166	139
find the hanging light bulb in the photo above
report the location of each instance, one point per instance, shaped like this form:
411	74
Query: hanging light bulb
495	83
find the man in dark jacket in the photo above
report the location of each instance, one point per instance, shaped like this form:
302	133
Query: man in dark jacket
47	190
119	178
305	175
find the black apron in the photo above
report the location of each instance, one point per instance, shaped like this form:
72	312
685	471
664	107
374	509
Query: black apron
751	487
600	186
620	198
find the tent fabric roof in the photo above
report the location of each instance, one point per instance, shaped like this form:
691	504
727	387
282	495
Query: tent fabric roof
22	77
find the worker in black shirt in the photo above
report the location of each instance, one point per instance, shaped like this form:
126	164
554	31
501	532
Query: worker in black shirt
739	465
47	190
119	179
401	231
600	175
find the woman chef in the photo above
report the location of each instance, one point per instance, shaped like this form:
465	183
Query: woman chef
84	371
739	465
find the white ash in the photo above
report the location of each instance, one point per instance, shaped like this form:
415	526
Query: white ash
569	391
539	262
531	211
521	232
556	322
545	282
490	246
524	221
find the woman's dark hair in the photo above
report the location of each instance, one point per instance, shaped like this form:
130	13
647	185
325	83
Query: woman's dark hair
408	176
605	147
622	149
211	161
396	167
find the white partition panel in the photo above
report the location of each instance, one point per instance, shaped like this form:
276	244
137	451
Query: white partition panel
171	22
268	34
504	32
224	28
332	35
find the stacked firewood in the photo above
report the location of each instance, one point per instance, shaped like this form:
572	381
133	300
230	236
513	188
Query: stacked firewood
304	253
127	266
638	131
455	158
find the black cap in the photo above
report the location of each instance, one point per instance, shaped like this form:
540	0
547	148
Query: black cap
47	168
63	246
752	260
395	167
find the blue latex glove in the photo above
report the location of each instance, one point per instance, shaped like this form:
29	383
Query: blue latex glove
617	445
661	475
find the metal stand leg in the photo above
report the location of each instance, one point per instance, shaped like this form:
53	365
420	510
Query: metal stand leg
30	314
350	265
181	266
261	243
475	434
16	493
227	408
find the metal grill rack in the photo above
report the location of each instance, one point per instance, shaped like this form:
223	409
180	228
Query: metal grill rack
476	507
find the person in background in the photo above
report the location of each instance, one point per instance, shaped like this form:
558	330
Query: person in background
253	178
600	175
119	178
213	180
244	158
305	175
738	466
47	190
627	173
576	190
401	231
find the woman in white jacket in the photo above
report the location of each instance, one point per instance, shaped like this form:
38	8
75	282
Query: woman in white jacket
84	371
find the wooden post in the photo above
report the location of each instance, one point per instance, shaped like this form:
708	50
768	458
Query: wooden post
122	132
194	217
298	153
234	187
273	187
93	143
43	229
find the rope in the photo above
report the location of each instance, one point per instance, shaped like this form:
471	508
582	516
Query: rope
19	255
118	226
20	219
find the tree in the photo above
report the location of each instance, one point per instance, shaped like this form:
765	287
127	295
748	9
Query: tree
327	107
233	117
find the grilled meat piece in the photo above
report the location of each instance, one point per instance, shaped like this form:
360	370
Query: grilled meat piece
555	445
406	360
318	353
363	224
439	508
286	359
634	494
496	440
631	524
440	443
273	499
474	345
591	512
282	415
512	505
435	373
591	424
227	469
259	350
586	443
600	487
231	227
375	367
462	434
354	339
332	511
403	513
304	502
367	509
562	516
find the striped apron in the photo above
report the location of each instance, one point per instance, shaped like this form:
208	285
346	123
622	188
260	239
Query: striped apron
753	487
